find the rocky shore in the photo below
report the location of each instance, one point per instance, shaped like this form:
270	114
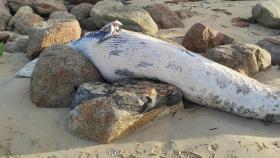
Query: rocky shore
66	108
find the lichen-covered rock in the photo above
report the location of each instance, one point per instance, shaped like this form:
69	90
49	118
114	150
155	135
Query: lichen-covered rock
244	58
268	13
54	31
22	11
61	15
201	38
164	17
58	71
45	8
106	112
24	23
133	18
272	45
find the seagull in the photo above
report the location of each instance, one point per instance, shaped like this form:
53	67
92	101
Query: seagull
111	29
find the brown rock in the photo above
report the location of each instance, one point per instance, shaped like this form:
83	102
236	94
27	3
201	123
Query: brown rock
107	112
164	17
55	31
244	58
201	38
4	36
59	70
5	15
24	24
45	8
22	12
239	22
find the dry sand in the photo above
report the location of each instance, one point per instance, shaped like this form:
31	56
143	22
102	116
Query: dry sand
28	131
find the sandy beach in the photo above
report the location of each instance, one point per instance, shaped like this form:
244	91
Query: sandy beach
28	131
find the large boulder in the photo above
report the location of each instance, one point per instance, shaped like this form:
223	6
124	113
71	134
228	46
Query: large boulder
133	18
24	23
106	112
45	8
5	15
244	58
22	12
59	70
200	38
268	13
61	15
164	17
52	32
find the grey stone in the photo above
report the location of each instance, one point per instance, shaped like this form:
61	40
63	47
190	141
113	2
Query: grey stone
106	112
268	13
133	18
272	45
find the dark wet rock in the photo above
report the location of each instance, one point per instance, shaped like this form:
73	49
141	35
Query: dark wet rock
82	13
106	112
272	45
45	8
200	38
244	58
267	13
14	5
61	15
164	17
54	31
59	70
133	18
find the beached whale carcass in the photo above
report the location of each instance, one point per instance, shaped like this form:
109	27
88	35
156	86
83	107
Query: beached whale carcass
134	55
129	54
